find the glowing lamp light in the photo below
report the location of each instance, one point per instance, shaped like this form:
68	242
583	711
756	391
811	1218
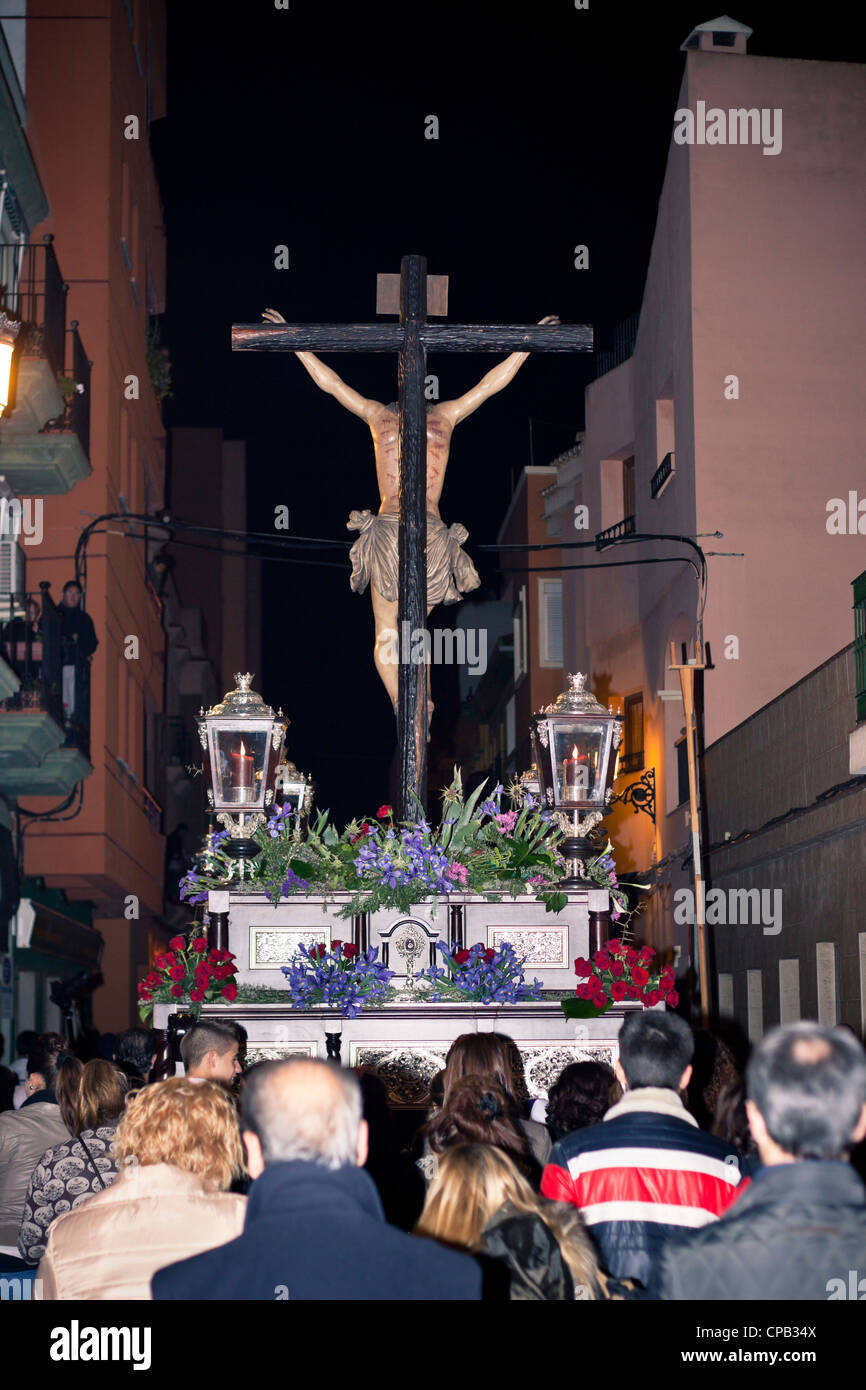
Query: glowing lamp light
8	333
242	744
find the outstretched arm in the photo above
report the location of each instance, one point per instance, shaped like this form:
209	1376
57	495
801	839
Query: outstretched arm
489	384
327	379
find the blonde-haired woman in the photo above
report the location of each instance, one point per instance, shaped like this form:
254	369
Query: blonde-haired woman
480	1202
178	1149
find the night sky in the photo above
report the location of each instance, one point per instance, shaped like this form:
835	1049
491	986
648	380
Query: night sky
306	128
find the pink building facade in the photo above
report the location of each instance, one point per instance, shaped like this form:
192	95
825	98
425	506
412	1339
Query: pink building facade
736	422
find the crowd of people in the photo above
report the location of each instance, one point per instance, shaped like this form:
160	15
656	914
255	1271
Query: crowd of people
672	1176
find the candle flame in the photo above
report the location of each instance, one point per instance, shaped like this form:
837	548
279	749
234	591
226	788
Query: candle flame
574	751
243	750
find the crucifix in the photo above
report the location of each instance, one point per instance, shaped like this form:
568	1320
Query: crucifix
411	459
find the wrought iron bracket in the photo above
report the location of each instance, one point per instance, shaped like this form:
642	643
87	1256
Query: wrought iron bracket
640	795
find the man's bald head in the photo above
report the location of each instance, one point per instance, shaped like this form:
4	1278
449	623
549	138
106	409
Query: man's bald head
303	1110
808	1085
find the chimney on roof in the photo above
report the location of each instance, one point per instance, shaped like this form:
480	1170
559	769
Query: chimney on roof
722	35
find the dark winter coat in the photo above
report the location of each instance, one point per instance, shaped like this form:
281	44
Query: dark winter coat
315	1233
796	1233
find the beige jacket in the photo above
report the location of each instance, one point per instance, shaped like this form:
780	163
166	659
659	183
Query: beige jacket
114	1243
25	1134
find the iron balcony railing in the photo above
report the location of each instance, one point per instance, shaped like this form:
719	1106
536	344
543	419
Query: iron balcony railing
33	292
626	527
54	675
662	475
624	339
76	415
860	643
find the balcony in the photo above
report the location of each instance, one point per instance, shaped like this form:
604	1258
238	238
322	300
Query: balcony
45	721
626	527
45	431
662	476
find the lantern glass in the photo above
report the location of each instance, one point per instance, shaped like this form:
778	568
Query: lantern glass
239	763
578	761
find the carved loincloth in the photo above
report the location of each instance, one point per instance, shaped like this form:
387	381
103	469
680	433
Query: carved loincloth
450	572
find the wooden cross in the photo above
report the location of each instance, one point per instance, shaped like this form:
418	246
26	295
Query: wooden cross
410	338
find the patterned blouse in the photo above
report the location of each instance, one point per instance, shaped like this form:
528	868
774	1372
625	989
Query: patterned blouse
64	1177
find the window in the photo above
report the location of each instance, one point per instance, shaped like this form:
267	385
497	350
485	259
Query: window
628	487
510	727
632	756
682	769
550	622
520	646
860	643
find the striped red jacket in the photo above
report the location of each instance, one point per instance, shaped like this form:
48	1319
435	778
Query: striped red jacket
641	1175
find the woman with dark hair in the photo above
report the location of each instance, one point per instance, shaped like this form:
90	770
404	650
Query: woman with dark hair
495	1056
477	1110
580	1096
91	1100
25	1134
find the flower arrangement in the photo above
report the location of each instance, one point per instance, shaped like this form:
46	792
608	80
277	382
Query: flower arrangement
480	847
342	977
480	974
189	968
618	972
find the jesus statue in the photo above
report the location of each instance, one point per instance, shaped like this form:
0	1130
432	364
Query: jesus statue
450	572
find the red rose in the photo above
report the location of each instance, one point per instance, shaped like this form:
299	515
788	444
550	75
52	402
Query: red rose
177	972
639	975
666	981
197	995
600	1000
144	995
161	962
651	996
177	943
224	971
336	943
582	966
617	990
461	957
153	980
597	988
214	953
229	992
673	999
646	954
321	950
602	959
199	945
383	811
631	956
614	945
177	991
632	992
349	949
617	968
583	991
489	954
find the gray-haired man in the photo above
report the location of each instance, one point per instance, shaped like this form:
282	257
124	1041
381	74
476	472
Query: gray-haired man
314	1226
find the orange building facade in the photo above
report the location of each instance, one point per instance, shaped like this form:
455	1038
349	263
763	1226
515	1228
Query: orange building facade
95	79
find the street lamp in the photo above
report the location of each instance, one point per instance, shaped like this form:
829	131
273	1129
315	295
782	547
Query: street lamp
574	742
8	333
242	740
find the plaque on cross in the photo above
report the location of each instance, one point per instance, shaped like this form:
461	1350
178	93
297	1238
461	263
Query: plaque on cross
411	338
